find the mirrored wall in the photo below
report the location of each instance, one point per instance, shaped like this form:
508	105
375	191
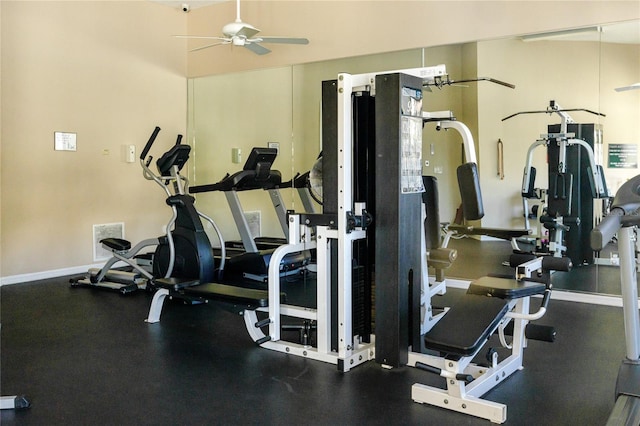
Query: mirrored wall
230	114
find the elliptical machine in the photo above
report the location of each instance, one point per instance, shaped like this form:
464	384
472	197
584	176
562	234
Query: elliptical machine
184	252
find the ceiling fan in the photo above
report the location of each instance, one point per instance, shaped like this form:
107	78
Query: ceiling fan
238	33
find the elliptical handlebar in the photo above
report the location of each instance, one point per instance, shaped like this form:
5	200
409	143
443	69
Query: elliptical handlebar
168	161
624	209
150	142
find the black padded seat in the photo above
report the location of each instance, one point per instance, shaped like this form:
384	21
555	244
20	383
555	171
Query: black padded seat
505	288
467	325
503	234
252	298
175	284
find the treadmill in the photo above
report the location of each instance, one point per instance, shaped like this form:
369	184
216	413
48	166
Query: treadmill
250	257
622	221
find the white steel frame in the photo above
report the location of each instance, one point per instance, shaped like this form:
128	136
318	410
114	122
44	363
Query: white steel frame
459	395
352	351
466	397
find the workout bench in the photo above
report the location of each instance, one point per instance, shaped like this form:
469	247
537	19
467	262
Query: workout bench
246	298
487	308
511	235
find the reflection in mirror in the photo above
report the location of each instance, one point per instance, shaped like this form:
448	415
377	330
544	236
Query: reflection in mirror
575	69
248	109
228	116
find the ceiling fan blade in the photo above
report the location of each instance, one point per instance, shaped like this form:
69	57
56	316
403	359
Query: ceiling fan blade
201	37
257	49
285	40
247	31
208	46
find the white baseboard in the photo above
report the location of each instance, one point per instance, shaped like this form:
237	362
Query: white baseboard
558	294
596	299
34	276
592	298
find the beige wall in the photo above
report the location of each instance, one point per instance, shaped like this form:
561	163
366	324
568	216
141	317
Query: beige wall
108	71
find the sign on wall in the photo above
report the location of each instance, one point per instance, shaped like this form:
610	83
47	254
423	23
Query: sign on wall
623	156
64	141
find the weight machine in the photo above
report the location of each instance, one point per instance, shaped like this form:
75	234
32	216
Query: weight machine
457	335
575	180
343	233
403	290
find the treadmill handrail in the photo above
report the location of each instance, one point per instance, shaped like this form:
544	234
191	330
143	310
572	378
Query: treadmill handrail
244	180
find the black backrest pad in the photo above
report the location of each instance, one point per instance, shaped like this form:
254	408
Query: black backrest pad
469	184
531	190
432	222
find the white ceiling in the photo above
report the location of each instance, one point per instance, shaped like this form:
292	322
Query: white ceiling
623	32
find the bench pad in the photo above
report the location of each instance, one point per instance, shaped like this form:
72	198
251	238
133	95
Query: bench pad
505	288
500	233
467	325
228	293
173	283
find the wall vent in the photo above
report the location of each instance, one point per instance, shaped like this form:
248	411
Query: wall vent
102	231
